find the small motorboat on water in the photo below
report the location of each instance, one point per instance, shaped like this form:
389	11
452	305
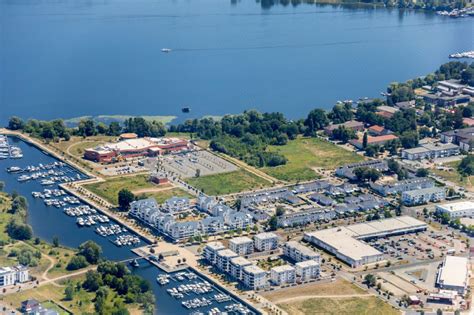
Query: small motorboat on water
134	263
185	109
166	50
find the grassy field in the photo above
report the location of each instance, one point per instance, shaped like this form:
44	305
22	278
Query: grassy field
227	183
304	154
454	176
353	306
109	189
161	196
5	203
76	145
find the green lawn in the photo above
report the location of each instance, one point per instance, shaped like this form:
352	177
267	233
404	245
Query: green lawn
227	183
303	154
340	306
453	176
161	196
109	189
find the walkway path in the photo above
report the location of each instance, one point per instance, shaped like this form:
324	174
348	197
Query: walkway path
152	189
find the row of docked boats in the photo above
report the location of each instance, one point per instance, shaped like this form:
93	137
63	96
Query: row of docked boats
7	150
49	193
42	167
49	178
197	302
79	211
465	54
92	220
126	240
457	13
108	230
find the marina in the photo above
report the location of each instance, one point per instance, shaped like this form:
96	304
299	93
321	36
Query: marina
53	212
9	151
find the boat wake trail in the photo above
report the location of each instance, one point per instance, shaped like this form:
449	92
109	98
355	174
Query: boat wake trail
340	43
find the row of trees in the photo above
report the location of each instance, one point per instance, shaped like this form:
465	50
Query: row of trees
17	228
89	252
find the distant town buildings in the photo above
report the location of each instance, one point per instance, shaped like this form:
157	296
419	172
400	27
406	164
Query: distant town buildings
462	137
454	274
348	169
135	147
457	209
352	125
13	275
373	140
422	196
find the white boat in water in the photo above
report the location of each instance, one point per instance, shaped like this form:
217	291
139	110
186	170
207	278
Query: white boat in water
166	50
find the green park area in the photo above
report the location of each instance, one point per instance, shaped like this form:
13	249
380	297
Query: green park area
369	305
161	196
110	188
306	154
227	183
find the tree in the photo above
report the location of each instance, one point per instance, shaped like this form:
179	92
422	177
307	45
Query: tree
91	251
114	129
365	140
18	230
343	134
198	173
466	167
367	174
409	139
69	292
316	120
15	123
370	280
77	262
86	128
2	186
125	197
280	211
56	241
273	223
422	172
341	113
93	281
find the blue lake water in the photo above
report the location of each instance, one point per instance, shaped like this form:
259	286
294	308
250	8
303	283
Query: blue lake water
70	58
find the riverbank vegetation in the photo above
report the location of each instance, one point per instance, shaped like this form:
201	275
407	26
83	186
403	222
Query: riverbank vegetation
227	183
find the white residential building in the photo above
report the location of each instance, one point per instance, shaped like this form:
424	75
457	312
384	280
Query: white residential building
223	258
299	252
210	251
283	275
307	270
266	241
422	196
12	275
255	277
453	274
457	209
241	245
237	265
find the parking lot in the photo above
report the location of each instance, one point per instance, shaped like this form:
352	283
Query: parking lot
187	164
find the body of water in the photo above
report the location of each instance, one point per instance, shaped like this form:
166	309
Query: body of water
70	58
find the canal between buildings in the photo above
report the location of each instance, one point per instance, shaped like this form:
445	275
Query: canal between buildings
49	222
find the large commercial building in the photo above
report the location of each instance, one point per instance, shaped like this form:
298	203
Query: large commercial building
283	275
453	274
266	241
110	152
298	252
422	196
346	243
12	275
457	209
241	245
